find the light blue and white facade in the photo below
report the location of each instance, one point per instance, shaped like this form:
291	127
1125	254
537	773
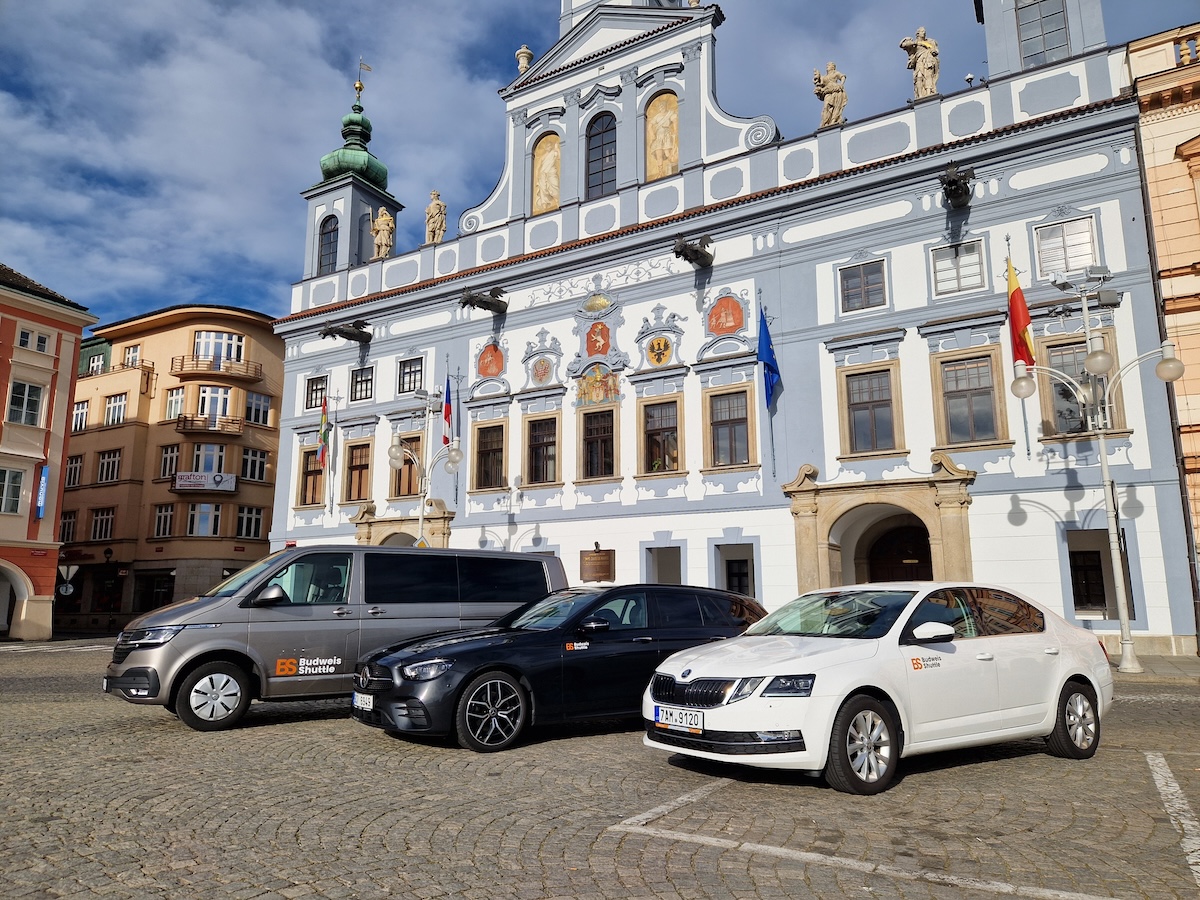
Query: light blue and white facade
618	402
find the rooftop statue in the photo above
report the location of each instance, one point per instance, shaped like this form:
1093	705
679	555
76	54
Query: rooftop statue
923	60
435	219
831	88
384	229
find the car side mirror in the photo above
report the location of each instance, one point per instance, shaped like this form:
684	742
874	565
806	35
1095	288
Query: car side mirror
593	624
933	633
270	595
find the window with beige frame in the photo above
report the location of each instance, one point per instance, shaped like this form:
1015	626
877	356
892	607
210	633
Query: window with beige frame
542	449
358	472
598	443
488	472
660	421
869	400
1062	413
729	424
968	403
406	480
312	479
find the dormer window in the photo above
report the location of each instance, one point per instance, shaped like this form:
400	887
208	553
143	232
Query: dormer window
602	156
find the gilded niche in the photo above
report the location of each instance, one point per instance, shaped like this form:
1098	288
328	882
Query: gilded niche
547	164
662	137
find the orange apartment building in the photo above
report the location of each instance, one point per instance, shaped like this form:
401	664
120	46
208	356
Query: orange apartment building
170	474
40	335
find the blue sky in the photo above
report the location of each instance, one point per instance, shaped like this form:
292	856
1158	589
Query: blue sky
154	151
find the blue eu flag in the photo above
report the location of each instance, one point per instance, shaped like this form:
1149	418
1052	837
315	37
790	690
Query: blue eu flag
766	356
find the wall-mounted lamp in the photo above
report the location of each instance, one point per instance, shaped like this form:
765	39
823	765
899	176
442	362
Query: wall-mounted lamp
956	185
354	331
695	252
491	300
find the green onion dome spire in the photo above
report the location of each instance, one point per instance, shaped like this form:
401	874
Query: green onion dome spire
354	156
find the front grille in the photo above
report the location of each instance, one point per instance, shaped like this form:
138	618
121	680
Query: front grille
373	679
728	743
121	652
703	693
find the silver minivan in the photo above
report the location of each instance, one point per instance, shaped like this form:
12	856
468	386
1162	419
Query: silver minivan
292	625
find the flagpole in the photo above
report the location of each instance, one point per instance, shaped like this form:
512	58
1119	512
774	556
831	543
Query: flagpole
1008	292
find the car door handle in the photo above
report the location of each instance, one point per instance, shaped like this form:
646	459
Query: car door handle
342	611
643	640
376	611
985	657
1052	651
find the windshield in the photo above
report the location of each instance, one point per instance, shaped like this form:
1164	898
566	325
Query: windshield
848	614
242	577
549	612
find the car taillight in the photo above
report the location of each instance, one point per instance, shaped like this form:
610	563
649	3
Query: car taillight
1107	658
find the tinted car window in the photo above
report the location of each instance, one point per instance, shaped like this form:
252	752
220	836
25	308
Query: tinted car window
623	611
678	609
410	578
717	609
500	580
1002	613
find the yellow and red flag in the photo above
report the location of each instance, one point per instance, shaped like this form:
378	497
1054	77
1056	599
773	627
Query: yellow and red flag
1019	324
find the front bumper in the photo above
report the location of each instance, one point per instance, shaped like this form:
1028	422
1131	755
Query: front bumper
425	707
137	685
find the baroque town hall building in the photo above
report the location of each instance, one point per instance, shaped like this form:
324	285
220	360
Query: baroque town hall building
598	320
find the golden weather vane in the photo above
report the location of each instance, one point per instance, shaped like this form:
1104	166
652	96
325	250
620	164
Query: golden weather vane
358	85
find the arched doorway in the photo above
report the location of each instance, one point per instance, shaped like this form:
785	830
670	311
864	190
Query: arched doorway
901	554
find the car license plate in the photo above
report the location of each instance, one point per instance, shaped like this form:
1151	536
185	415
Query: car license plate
365	702
676	719
106	685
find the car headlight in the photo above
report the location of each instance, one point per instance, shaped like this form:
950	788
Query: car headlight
790	686
148	637
743	689
424	671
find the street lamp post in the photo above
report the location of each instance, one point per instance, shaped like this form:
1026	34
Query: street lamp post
452	454
1094	397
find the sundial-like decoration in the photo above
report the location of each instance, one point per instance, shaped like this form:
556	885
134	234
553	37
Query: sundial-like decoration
725	326
659	340
541	361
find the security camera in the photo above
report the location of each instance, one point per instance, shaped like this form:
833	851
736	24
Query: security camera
1060	281
969	79
1109	299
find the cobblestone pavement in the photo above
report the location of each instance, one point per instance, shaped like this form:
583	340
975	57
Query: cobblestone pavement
105	799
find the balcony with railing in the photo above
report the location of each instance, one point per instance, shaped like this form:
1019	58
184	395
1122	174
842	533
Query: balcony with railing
211	424
208	366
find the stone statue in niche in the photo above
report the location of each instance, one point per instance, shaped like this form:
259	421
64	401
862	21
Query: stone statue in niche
831	88
435	219
384	229
923	60
545	174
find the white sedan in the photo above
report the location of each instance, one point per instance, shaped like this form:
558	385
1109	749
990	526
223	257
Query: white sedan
846	681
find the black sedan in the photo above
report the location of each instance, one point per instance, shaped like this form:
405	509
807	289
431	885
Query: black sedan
580	653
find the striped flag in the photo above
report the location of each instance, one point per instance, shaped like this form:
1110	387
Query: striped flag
323	434
1018	320
446	426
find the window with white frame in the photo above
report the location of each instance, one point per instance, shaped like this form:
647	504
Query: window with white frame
174	403
108	466
33	340
254	464
314	391
258	408
114	409
10	490
214	403
411	375
73	471
250	522
168	461
102	523
79	416
164	520
95	364
958	268
66	526
218	345
204	520
1066	246
133	355
25	404
362	383
862	286
208	458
